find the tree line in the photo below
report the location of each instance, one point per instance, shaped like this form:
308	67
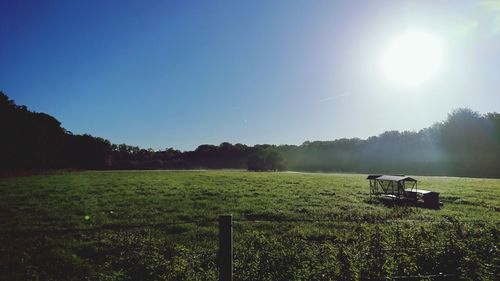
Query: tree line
33	140
465	144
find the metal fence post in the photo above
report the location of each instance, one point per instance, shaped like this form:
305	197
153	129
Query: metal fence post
226	248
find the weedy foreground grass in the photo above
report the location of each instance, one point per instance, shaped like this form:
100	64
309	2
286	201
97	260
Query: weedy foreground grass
162	225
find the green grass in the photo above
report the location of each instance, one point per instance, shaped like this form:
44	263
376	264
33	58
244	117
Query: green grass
296	250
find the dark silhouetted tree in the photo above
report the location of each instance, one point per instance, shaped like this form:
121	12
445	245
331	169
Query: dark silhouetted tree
465	144
266	160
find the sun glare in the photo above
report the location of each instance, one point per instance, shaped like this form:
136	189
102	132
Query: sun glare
412	58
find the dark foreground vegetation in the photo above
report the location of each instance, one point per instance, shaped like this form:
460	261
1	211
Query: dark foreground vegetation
465	144
162	225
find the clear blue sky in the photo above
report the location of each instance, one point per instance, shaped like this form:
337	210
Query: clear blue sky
182	73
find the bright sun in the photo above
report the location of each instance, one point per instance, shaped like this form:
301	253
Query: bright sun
412	58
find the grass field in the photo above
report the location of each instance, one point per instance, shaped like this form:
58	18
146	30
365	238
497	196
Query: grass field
178	239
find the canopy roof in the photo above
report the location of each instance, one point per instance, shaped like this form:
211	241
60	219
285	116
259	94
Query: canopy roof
390	178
